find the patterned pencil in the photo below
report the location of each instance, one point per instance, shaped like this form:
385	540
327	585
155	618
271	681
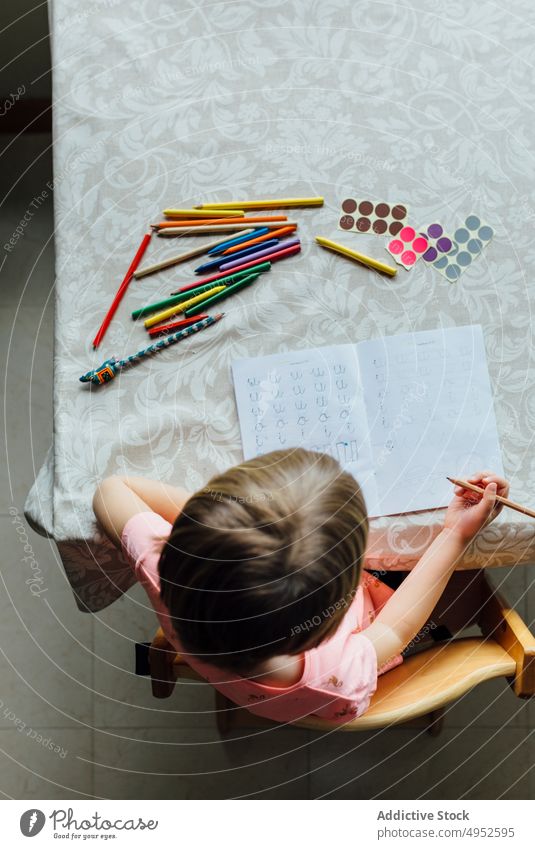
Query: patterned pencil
164	329
111	368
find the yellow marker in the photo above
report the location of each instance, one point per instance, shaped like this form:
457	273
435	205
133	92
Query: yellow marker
161	316
276	203
365	260
209	212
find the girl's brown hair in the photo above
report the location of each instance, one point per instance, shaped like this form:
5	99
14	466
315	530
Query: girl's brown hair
265	559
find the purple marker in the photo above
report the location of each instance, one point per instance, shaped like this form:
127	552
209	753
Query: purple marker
266	252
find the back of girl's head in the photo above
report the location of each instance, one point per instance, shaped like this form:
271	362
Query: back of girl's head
265	559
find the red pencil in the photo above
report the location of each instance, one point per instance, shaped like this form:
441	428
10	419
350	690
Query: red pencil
176	325
121	290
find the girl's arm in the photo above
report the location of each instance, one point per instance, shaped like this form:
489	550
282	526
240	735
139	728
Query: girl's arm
410	606
117	499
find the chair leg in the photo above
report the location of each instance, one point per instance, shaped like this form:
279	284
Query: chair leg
435	721
162	672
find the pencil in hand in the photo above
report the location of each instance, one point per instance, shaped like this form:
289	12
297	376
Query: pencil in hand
471	487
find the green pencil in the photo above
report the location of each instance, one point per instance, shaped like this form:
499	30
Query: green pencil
170	302
230	290
225	279
237	273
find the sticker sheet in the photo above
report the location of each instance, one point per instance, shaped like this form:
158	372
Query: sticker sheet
407	247
367	216
466	245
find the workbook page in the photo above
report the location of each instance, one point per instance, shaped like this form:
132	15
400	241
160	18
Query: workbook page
311	398
430	414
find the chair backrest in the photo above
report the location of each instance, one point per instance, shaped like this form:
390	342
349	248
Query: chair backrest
424	682
427	681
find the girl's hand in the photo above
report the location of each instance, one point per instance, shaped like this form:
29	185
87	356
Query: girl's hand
469	511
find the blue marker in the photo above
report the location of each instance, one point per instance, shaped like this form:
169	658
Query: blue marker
261	231
215	263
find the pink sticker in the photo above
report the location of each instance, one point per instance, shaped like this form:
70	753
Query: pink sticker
408	258
407	234
419	245
395	246
407	247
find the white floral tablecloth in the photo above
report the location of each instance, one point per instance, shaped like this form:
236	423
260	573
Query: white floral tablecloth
159	104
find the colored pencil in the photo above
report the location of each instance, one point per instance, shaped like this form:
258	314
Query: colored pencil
364	260
505	501
271	234
121	290
177	222
216	228
164	304
182	307
223	275
203	213
287	248
250	252
228	290
176	325
112	367
175	260
237	240
273	203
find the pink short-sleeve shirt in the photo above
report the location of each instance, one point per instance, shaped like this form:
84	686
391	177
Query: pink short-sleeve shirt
339	676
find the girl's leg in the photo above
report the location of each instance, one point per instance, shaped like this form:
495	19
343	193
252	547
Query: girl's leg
461	601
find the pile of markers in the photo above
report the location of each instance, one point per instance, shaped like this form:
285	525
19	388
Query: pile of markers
232	263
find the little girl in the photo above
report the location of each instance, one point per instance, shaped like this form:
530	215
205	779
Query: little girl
257	579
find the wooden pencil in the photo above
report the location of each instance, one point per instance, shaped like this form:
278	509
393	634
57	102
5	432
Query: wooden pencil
175	260
505	501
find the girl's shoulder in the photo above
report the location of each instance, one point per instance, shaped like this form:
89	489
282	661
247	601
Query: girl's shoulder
142	540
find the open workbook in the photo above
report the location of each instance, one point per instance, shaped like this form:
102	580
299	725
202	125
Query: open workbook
400	412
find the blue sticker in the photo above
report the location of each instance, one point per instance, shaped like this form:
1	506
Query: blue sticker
472	222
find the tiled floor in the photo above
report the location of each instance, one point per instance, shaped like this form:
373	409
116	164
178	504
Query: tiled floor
74	719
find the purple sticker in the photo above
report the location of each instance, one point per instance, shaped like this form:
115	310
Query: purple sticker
444	245
430	255
434	231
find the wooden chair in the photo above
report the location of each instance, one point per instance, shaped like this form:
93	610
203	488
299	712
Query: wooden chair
420	688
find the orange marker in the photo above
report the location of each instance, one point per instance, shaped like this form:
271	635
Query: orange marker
273	234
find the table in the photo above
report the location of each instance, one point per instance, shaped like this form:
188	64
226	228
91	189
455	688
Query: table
402	102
